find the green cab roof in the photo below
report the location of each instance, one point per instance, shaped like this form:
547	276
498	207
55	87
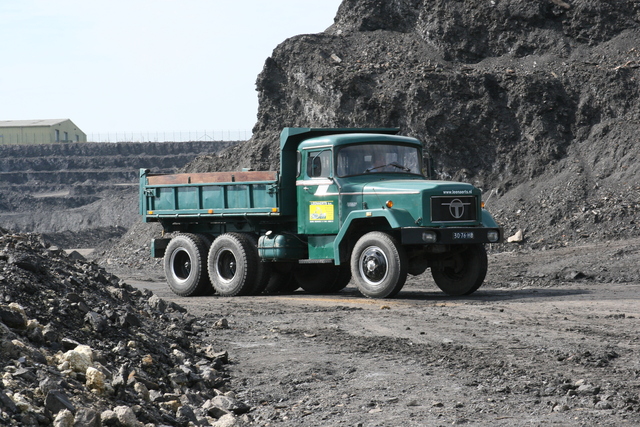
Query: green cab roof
292	138
337	140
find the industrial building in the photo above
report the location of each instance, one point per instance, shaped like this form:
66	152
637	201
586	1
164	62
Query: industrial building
50	131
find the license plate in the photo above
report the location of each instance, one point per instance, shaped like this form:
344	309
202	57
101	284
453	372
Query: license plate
463	235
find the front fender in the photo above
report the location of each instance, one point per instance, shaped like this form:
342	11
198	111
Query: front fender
396	218
487	220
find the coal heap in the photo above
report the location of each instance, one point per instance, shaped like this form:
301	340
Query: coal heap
79	347
533	102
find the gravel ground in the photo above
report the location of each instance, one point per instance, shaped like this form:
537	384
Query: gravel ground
552	338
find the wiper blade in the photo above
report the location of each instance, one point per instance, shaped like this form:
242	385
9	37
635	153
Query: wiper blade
399	166
394	164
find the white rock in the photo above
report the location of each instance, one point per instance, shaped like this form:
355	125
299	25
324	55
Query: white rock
33	324
126	417
108	417
95	380
18	309
21	402
86	351
64	419
142	390
228	420
335	58
79	359
516	238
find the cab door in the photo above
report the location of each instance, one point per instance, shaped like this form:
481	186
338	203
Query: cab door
318	207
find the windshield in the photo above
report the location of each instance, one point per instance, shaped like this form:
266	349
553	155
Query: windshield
377	158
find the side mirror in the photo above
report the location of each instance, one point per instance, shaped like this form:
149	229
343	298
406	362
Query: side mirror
428	167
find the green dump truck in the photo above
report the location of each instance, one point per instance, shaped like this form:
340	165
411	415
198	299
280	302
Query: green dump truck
346	204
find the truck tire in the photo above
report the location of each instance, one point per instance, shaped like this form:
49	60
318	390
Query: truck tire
233	265
184	265
342	280
322	278
281	280
463	272
207	239
378	265
264	269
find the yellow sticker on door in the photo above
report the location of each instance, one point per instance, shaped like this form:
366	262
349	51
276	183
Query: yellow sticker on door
321	211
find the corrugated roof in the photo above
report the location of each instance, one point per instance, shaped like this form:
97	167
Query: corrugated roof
25	123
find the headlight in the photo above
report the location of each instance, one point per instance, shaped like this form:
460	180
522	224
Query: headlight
429	237
493	236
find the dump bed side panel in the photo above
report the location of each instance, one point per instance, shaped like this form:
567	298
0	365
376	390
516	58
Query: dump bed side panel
211	177
202	195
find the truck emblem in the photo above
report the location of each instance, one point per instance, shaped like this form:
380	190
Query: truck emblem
456	208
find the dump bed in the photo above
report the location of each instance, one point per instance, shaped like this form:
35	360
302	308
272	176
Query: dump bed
208	195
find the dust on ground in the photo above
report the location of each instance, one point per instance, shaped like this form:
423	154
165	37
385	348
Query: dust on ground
552	337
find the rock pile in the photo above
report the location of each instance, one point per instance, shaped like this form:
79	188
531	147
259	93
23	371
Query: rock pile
79	347
130	255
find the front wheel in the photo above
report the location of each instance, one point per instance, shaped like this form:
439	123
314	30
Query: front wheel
378	265
463	272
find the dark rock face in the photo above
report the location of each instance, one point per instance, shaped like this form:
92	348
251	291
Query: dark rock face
534	102
470	31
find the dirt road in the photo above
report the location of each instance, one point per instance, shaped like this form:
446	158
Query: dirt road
552	338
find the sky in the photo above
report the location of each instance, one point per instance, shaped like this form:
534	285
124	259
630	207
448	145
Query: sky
144	65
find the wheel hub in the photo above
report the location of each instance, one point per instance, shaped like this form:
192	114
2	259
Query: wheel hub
181	265
226	265
373	265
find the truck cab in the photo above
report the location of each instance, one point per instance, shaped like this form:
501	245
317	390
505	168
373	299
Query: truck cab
335	174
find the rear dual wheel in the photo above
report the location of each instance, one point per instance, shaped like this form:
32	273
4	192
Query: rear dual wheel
185	262
234	266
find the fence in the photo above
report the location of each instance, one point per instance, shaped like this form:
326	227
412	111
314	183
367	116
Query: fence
170	136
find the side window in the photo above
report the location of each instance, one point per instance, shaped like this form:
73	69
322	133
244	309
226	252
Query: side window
298	163
319	164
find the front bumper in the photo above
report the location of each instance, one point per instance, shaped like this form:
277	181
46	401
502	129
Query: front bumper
450	235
